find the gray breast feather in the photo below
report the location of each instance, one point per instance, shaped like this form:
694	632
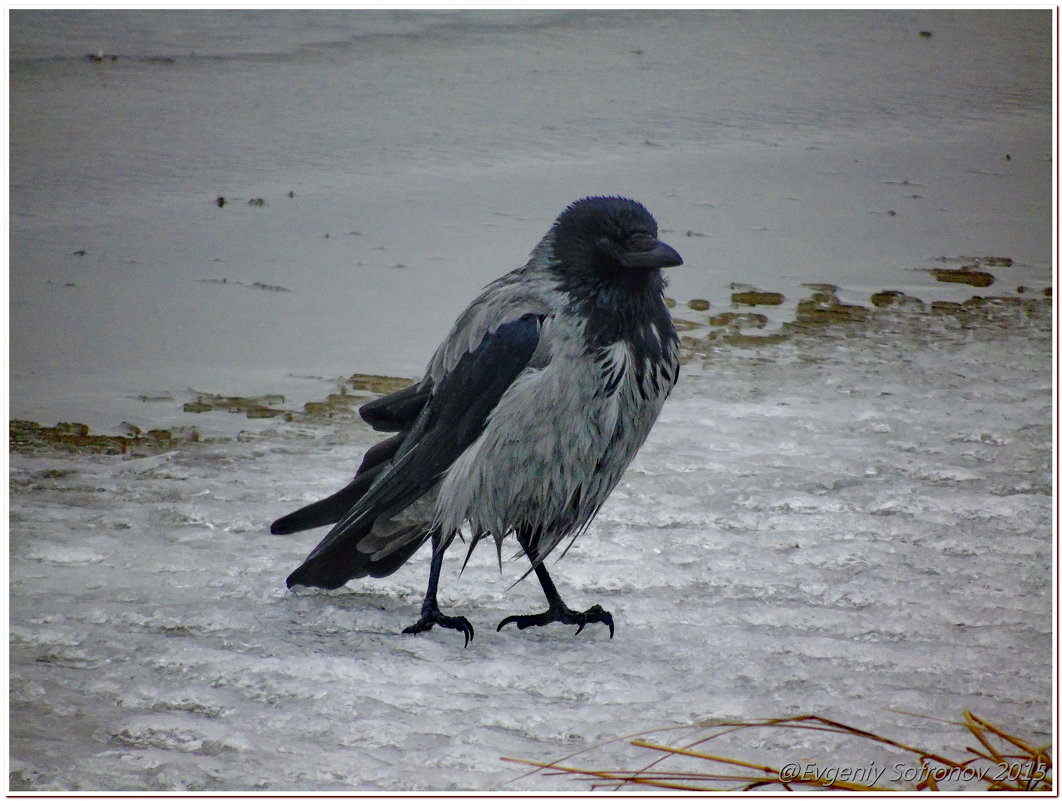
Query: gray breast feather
556	444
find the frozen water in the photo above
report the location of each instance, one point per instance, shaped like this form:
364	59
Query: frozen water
855	154
853	521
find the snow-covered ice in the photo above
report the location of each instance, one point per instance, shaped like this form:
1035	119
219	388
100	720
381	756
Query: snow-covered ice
855	520
844	524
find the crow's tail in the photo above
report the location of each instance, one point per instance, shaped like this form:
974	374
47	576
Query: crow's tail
377	549
331	510
328	511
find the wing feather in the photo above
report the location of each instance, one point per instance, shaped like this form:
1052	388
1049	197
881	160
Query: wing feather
449	422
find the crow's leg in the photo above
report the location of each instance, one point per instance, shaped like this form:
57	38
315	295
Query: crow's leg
429	610
558	611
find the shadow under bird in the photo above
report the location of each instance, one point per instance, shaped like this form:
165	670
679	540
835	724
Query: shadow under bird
526	418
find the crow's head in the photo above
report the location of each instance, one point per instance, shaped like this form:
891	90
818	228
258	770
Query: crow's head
610	236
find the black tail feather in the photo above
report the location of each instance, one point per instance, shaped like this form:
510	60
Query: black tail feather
328	511
343	561
334	568
381	452
337	559
390	563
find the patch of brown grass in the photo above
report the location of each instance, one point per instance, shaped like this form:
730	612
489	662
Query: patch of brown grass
996	760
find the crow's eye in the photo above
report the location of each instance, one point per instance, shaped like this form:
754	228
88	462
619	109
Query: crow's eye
641	241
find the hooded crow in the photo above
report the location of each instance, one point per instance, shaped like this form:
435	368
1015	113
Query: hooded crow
527	416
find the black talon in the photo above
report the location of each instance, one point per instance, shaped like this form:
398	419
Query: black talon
430	616
595	614
562	614
429	610
558	611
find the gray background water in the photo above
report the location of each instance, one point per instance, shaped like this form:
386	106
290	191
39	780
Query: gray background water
432	149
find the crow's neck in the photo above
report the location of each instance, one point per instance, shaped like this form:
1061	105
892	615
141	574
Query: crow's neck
619	307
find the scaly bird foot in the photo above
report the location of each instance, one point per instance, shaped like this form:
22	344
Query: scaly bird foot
562	614
430	617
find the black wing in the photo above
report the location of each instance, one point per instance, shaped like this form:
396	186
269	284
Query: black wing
395	412
450	421
332	509
398	410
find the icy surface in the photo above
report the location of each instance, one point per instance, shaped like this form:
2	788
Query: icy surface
854	521
844	524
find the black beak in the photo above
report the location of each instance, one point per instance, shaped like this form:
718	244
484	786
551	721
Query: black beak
660	255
